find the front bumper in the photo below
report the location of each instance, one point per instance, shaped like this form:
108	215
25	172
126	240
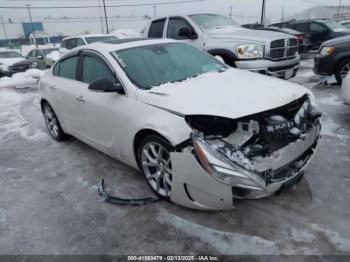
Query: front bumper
282	69
193	187
323	65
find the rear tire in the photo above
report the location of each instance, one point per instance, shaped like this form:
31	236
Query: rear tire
153	156
52	123
342	70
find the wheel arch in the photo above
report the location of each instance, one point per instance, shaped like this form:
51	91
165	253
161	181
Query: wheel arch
140	135
339	61
228	56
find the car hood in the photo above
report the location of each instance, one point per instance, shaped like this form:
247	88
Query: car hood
246	34
336	41
232	94
27	61
11	61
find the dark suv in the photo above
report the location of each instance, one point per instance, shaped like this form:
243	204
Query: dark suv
319	30
334	58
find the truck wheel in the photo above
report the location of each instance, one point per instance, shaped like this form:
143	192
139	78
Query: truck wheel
342	70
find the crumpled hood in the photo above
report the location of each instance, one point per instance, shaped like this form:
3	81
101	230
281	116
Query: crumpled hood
233	94
11	61
240	33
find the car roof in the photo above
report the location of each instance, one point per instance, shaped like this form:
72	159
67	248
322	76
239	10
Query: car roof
84	36
119	44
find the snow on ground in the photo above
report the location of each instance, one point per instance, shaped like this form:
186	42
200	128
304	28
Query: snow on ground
27	79
12	122
126	33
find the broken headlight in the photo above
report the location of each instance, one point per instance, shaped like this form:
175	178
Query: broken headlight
222	169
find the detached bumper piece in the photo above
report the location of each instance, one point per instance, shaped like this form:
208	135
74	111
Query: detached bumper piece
264	154
123	201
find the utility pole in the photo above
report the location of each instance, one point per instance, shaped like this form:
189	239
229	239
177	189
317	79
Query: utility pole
338	16
31	23
3	26
282	16
155	11
263	12
101	19
231	11
104	7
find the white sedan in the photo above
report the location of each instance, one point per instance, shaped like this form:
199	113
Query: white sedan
203	134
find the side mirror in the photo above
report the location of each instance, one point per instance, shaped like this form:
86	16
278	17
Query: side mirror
186	32
107	86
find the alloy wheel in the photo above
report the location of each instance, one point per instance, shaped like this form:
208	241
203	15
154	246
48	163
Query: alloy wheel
51	121
156	165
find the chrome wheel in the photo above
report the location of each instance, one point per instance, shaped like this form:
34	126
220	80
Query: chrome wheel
156	165
51	121
345	70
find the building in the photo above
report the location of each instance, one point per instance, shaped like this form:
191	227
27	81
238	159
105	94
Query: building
325	12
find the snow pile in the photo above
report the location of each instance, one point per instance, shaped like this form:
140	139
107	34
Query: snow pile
12	121
54	55
27	79
126	33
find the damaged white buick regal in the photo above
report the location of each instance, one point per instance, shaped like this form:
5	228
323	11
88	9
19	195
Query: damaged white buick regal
203	134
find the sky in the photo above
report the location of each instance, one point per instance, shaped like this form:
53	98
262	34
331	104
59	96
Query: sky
243	11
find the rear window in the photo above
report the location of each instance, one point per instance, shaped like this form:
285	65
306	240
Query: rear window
156	29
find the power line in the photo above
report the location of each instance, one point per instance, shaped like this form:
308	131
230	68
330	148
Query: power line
96	6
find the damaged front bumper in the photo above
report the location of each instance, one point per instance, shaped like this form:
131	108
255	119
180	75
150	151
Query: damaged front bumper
206	179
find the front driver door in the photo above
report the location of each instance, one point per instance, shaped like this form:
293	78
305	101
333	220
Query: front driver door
102	115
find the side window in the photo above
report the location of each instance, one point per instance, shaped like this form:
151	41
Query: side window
80	42
174	26
71	43
56	69
316	28
94	68
32	53
156	29
302	27
68	67
64	43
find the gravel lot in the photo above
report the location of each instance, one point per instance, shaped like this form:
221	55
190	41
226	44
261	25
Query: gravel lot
49	202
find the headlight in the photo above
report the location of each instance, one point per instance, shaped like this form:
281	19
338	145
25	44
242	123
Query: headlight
35	64
226	173
326	51
250	50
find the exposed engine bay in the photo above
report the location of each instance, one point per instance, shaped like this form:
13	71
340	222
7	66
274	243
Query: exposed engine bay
269	146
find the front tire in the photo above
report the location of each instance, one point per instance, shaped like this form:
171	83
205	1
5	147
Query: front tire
52	123
342	70
155	164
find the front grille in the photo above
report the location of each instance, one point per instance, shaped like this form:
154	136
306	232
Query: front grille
283	48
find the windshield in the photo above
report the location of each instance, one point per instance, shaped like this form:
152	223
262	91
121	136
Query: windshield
154	65
334	25
10	55
211	21
48	51
94	39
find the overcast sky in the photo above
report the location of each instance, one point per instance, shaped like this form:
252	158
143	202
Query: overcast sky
244	11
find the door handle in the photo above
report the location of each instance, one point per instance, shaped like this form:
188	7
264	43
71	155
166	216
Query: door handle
52	86
80	98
